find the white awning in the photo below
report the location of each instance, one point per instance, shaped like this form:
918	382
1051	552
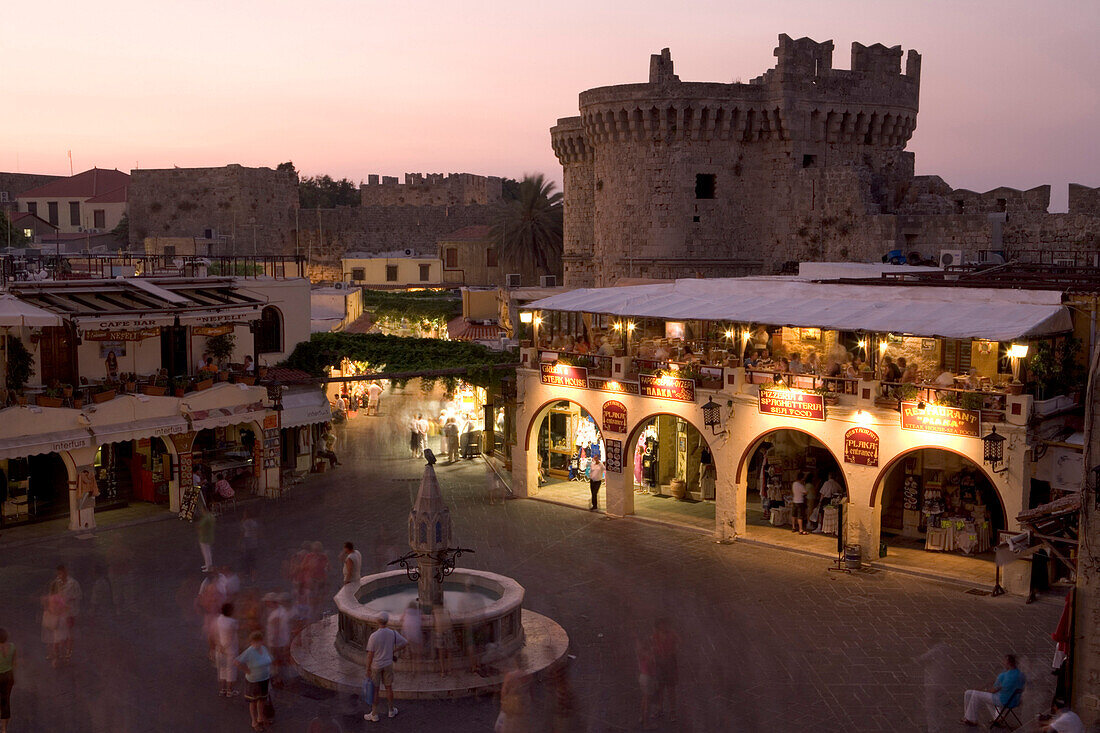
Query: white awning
224	417
32	445
982	313
305	408
150	427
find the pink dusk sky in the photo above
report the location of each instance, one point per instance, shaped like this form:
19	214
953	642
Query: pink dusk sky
1009	92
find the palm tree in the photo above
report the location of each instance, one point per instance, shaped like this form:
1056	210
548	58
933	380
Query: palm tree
529	228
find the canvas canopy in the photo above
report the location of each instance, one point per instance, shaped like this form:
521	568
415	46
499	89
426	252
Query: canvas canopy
963	313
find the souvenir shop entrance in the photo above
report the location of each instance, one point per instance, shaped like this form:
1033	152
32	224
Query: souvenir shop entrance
939	501
33	488
567	439
132	470
672	471
777	461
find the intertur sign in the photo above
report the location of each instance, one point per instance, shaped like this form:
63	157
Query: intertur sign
792	403
941	419
561	375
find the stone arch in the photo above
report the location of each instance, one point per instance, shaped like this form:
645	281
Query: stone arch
741	476
538	414
893	462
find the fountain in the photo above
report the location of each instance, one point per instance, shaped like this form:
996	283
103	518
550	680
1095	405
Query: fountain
490	630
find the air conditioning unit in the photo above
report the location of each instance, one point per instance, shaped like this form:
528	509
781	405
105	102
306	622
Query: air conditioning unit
951	257
548	281
409	252
513	280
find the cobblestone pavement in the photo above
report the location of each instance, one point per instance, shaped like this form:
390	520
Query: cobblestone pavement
770	641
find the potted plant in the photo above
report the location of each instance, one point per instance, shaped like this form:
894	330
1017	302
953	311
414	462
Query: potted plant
20	365
866	374
105	394
907	392
66	390
221	347
204	384
971	401
129	382
50	398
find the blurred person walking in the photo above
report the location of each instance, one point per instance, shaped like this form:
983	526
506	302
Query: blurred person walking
443	638
250	545
450	436
380	655
277	634
514	702
226	650
647	681
205	530
7	678
66	585
412	628
256	661
374	398
351	562
664	644
211	598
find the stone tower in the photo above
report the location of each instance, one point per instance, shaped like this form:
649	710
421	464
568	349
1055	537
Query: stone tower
683	179
429	536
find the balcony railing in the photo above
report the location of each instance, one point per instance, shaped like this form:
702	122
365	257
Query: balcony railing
29	268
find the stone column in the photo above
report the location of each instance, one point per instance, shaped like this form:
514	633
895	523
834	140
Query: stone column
620	495
729	504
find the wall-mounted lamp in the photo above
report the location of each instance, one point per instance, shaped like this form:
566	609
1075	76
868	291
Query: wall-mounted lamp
994	453
712	415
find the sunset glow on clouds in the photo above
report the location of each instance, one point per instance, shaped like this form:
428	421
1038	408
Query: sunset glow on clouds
1008	91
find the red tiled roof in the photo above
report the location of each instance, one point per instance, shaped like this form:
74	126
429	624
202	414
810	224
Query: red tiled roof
362	324
285	374
94	182
117	196
473	233
459	329
26	215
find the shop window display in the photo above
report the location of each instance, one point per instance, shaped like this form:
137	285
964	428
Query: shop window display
671	458
568	440
786	456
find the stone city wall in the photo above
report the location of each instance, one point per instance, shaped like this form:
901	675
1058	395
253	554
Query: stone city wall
432	189
253	208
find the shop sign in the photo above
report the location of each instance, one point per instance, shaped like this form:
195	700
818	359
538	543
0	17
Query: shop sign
861	447
110	334
667	388
614	458
941	419
614	417
211	330
126	323
602	384
166	430
60	445
271	421
563	375
791	403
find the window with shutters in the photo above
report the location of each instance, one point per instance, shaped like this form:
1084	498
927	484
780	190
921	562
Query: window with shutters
74	213
99	218
956	356
51	207
391	273
450	258
425	273
358	273
491	257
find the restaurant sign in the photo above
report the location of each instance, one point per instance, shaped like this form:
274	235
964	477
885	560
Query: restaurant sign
111	334
602	384
614	417
941	419
211	330
861	447
791	403
667	388
562	375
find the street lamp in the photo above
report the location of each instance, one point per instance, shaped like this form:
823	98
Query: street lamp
994	445
1015	353
712	415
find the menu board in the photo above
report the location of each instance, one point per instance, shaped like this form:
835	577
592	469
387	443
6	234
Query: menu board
189	504
271	448
614	462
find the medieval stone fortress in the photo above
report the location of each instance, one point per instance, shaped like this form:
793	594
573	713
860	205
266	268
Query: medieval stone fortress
806	162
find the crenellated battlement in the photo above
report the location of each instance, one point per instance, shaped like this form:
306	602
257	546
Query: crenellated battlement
568	141
430	189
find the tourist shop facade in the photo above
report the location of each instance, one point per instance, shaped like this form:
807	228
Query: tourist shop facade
734	389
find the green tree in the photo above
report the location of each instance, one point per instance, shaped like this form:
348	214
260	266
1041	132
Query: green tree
529	227
122	230
9	233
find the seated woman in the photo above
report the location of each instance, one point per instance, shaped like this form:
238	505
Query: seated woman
222	489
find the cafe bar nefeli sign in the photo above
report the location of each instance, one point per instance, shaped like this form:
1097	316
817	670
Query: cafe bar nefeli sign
564	375
941	419
791	403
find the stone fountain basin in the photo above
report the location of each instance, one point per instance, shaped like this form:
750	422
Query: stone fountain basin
486	619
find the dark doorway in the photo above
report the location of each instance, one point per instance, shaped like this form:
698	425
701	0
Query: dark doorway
173	350
58	355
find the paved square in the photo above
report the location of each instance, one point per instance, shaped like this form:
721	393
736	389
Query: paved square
770	640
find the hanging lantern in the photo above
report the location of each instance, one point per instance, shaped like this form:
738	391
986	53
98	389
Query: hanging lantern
994	444
712	415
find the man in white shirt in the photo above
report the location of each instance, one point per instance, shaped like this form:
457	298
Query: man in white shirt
798	504
277	633
341	406
351	560
1066	721
380	648
225	646
595	478
374	396
606	349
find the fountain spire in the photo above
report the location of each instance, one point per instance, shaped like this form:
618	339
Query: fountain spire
430	536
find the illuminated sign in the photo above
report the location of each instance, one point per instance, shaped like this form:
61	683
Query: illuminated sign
562	375
791	403
861	447
106	334
614	417
667	388
611	385
941	419
211	330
